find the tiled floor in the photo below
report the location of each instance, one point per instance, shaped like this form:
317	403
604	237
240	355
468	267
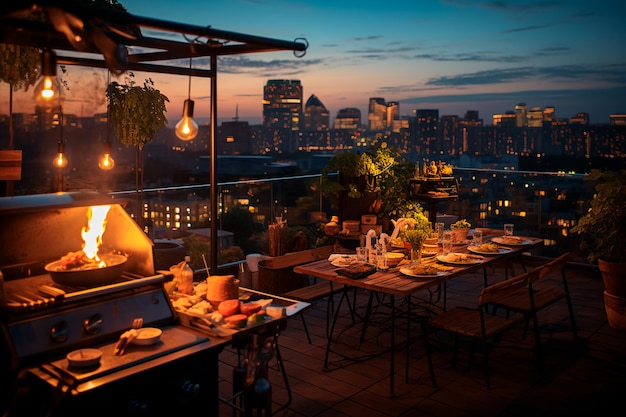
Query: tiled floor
587	377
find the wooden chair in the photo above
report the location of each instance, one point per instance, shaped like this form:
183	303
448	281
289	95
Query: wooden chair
477	324
542	292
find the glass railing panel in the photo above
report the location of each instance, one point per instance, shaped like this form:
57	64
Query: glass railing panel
544	204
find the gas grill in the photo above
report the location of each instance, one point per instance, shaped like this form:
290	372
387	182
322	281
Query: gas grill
42	320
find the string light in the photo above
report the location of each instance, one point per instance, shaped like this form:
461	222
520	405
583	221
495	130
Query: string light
49	71
187	129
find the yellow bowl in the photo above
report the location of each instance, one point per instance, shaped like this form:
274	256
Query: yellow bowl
393	258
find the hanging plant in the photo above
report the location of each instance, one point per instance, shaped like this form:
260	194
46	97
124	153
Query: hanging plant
137	112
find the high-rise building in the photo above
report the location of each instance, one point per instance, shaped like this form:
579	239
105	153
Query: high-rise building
580	119
393	113
617	119
282	114
348	118
377	114
520	115
316	116
427	125
549	114
534	117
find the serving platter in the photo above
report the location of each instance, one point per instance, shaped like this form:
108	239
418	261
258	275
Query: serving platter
501	240
499	251
409	272
460	258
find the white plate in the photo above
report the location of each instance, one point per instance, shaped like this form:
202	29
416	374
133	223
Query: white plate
500	251
410	273
344	260
500	241
147	336
460	258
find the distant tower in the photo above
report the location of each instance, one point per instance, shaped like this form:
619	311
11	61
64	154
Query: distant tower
316	116
520	115
282	114
377	114
348	118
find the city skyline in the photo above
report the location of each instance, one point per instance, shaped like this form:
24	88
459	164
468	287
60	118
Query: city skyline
498	55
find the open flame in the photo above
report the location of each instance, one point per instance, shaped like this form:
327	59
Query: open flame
92	234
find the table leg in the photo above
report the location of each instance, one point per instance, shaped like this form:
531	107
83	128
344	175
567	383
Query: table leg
392	358
329	333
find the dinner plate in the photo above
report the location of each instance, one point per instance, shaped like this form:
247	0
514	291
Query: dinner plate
343	261
410	273
500	251
500	240
460	258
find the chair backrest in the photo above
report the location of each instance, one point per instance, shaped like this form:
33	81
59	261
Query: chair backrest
495	292
557	264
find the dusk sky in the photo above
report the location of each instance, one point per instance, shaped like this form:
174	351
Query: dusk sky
451	55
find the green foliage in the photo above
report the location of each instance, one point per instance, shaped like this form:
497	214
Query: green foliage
461	224
137	112
380	168
419	232
603	227
19	65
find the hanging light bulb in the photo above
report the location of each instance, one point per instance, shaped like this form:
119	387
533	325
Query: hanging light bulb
49	71
187	128
60	161
106	162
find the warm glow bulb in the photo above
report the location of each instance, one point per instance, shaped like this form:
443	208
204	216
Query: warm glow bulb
187	128
60	161
106	162
47	92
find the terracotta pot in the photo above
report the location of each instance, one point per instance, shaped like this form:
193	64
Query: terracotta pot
459	235
614	277
615	311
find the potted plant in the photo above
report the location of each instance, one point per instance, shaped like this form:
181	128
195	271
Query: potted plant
460	230
603	233
137	113
374	181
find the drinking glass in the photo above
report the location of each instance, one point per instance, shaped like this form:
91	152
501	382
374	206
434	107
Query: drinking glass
447	242
477	238
508	229
361	254
439	229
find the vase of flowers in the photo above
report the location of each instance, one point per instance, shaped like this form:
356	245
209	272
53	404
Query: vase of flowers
416	234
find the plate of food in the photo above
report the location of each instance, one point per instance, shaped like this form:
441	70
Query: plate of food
460	258
343	260
431	270
489	249
511	240
357	270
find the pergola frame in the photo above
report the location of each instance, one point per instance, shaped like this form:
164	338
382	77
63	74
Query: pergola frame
92	36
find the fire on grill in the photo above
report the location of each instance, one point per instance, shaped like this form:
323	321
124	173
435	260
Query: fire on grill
86	265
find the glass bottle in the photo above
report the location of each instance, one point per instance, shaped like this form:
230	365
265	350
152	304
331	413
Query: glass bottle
185	281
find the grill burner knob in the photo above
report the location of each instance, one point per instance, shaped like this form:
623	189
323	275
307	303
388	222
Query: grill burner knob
93	324
189	390
59	332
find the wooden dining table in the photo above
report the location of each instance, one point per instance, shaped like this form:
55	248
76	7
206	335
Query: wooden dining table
395	283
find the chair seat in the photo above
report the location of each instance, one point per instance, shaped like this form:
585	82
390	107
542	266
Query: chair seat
467	322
